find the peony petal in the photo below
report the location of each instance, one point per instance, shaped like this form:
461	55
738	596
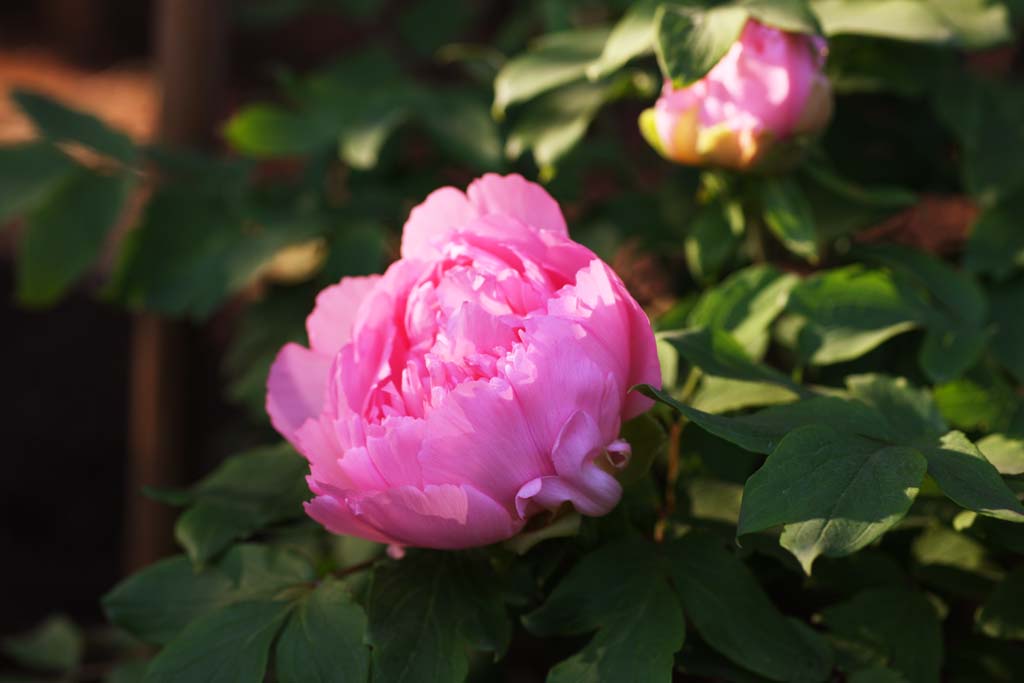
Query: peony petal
330	324
514	196
443	211
295	388
337	518
478	436
446	516
580	480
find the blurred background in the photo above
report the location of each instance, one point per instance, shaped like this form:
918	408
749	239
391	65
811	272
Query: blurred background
290	139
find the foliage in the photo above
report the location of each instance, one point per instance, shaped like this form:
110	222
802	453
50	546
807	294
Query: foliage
830	482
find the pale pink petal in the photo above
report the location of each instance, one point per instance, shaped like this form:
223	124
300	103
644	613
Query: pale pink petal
295	388
446	516
443	211
514	196
330	324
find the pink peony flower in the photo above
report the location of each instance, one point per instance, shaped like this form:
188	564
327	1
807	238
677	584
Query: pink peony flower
482	379
768	87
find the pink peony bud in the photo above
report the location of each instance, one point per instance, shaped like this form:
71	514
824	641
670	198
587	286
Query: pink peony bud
482	379
768	88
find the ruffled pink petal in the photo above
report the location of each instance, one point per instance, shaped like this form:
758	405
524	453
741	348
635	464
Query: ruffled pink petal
580	480
514	196
445	516
330	324
479	436
443	211
337	518
295	388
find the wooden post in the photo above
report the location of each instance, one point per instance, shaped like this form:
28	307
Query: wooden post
190	66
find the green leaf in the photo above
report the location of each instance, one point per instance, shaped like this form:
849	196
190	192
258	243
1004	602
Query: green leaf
159	601
970	480
1004	301
972	24
191	250
981	400
246	493
690	41
850	311
264	572
66	233
745	304
426	610
631	37
462	125
716	352
834	492
996	244
713	239
638	621
940	545
794	16
267	130
876	674
323	639
788	215
1006	453
54	645
29	173
910	413
984	115
733	615
720	395
747	435
646	439
1002	615
553	125
56	122
553	61
899	624
955	336
231	645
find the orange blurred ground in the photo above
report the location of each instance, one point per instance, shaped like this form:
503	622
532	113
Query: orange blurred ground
125	97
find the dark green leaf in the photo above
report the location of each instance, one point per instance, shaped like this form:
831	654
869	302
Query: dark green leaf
54	645
28	174
732	613
996	243
632	36
713	239
745	304
850	311
899	624
834	492
638	621
910	412
158	602
789	216
553	61
1005	302
716	352
876	674
980	400
646	439
323	639
264	571
964	475
551	126
463	127
66	233
1002	615
230	645
690	41
56	122
426	610
973	24
246	493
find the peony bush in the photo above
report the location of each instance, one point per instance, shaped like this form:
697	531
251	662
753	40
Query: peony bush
712	372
